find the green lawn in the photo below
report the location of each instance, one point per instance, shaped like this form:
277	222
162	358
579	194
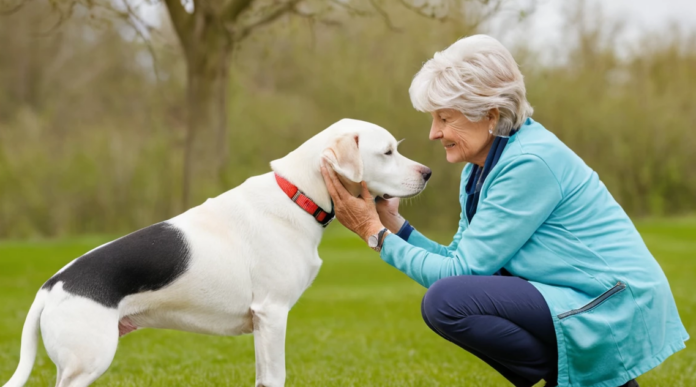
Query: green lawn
358	325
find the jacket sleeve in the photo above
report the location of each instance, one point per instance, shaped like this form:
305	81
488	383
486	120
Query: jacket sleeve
519	199
415	238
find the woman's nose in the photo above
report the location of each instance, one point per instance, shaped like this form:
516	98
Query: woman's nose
435	132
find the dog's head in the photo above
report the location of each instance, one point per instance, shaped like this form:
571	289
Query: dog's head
359	150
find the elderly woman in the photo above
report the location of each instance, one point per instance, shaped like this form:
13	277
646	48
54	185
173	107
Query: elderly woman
546	278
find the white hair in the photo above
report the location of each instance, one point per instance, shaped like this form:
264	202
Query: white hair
474	75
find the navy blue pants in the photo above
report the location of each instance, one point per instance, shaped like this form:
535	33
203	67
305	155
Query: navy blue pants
502	320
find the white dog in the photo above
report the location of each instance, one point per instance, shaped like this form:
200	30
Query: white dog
236	264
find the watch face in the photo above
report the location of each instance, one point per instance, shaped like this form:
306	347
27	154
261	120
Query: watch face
372	241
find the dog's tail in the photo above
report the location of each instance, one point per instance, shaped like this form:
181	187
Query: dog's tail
30	338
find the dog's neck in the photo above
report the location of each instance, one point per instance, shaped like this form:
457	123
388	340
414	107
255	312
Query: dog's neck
304	172
302	167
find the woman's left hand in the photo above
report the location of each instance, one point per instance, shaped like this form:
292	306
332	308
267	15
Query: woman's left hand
356	214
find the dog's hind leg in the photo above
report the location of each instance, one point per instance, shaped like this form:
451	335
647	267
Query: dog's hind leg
270	324
81	338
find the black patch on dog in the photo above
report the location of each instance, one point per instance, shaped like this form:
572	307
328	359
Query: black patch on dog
148	259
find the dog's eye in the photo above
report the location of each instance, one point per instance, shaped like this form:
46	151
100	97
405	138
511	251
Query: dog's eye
388	153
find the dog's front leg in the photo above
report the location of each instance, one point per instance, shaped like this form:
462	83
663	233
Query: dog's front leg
270	322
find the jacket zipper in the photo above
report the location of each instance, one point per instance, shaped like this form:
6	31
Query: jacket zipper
596	302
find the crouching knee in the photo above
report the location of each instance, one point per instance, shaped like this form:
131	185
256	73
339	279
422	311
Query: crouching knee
437	307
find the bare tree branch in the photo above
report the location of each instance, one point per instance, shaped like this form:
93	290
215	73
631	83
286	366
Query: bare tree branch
268	18
384	15
420	10
61	18
181	20
131	19
235	9
14	9
350	9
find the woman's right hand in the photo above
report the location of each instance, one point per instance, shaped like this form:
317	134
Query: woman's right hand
388	211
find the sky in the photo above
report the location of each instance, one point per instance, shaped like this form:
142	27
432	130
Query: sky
545	26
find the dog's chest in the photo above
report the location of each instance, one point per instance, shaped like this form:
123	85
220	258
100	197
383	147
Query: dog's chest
284	277
313	268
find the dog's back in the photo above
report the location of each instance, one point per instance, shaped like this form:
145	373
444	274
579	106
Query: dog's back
146	260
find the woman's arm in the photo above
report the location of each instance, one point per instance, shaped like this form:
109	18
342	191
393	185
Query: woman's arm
409	234
520	198
388	211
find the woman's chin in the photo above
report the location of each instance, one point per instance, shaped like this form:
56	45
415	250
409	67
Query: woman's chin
453	158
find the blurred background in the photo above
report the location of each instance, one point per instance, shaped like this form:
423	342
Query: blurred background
116	115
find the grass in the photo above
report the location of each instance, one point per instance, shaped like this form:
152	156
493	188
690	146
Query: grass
358	325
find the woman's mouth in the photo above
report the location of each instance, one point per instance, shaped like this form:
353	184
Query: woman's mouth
449	146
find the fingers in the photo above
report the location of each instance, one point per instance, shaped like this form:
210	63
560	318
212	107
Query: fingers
381	203
338	186
327	180
365	194
336	189
394	203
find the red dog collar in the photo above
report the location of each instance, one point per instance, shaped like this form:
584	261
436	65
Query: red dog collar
304	201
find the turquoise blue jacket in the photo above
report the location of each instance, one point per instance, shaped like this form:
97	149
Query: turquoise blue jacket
545	216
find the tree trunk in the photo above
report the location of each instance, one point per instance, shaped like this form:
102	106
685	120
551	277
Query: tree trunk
205	151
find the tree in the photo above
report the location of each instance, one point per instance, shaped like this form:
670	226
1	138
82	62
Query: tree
209	31
208	36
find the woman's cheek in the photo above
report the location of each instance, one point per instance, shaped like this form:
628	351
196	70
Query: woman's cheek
462	146
458	154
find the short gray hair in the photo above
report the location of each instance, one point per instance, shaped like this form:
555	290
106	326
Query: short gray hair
473	75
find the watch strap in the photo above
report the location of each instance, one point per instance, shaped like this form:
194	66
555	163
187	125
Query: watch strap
380	236
380	239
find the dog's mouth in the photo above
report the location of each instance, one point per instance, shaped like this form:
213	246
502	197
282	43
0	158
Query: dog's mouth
387	196
410	187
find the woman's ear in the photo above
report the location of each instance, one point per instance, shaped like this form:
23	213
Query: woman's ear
493	117
343	154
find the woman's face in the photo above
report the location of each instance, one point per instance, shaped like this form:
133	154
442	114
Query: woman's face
463	140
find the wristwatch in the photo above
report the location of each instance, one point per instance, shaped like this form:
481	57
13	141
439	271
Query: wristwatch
375	241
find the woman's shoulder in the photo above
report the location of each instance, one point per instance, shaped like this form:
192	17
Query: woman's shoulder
534	140
536	143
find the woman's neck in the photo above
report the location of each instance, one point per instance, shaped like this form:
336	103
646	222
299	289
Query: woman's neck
480	158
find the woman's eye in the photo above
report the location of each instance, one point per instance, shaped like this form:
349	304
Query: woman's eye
388	153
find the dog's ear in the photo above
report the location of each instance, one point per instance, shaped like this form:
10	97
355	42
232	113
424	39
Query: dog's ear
343	154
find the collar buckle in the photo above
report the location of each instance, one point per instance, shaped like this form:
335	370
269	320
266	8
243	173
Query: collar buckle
307	204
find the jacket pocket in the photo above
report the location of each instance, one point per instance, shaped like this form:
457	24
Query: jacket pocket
619	287
592	347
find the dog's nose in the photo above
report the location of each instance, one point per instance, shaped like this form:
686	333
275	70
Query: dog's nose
426	173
